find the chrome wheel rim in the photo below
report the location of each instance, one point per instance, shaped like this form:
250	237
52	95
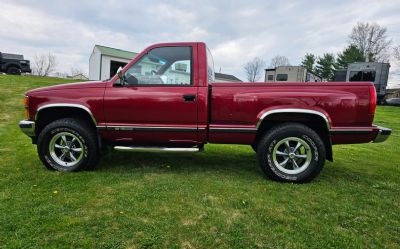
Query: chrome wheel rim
66	149
292	155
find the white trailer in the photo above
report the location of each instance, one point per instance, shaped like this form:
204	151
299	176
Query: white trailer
290	74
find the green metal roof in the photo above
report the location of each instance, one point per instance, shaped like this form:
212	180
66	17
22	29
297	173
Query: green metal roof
116	52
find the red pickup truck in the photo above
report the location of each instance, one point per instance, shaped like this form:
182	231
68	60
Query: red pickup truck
167	99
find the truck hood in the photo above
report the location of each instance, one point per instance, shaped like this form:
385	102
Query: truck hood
78	85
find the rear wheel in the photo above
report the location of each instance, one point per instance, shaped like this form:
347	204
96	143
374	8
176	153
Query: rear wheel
13	70
68	145
291	152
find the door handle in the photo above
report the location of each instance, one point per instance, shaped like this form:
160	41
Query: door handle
189	97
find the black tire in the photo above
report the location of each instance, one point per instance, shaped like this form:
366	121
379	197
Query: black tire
80	132
14	70
254	147
273	143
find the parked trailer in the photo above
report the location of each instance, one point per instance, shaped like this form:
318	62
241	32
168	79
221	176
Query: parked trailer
376	72
290	74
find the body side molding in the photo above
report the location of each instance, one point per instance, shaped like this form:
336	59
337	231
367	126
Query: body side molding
146	128
232	130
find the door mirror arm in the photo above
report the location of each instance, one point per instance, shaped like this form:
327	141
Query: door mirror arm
121	78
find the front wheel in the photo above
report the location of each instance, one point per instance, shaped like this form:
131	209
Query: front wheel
68	145
14	71
291	152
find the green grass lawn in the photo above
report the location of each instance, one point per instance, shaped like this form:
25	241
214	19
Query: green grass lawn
215	199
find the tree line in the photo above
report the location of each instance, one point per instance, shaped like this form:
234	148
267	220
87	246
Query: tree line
368	42
46	65
256	66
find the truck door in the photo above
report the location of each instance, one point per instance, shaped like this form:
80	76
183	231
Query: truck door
157	103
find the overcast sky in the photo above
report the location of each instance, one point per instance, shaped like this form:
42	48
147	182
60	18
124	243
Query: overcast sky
235	31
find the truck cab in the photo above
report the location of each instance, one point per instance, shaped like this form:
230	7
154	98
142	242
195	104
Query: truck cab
163	78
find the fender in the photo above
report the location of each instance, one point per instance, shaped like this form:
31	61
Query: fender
12	64
265	114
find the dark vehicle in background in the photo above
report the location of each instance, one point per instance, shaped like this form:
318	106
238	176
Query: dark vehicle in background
375	72
14	64
393	101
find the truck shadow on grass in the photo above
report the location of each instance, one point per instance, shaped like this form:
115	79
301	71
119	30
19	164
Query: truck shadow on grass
242	160
241	163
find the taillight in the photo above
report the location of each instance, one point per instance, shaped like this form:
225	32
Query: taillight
26	107
372	100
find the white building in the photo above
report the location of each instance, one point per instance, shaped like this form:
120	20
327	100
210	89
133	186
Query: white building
221	77
291	74
105	61
79	76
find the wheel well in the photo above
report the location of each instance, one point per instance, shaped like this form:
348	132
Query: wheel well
13	65
48	115
315	122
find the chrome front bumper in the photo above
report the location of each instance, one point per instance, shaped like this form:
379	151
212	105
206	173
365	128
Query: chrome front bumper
27	127
383	134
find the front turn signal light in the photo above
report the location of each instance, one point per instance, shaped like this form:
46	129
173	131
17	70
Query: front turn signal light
26	101
26	107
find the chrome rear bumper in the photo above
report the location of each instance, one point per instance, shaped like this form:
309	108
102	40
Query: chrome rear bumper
27	127
383	134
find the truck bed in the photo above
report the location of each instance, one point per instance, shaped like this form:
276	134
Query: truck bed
241	104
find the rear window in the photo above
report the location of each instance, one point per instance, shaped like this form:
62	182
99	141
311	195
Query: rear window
362	76
281	77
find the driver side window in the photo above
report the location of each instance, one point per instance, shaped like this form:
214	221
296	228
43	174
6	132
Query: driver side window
162	66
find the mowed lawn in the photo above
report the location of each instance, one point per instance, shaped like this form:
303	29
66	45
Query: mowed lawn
215	199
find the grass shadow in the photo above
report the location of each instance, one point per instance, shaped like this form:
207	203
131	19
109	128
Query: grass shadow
241	161
238	160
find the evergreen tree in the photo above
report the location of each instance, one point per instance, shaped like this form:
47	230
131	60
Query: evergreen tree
349	55
308	61
326	66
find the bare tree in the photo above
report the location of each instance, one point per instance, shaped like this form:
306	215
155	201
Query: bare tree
43	65
254	68
396	53
61	74
75	71
278	61
372	39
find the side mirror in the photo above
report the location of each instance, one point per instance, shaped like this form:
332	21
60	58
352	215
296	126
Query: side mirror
121	78
120	74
